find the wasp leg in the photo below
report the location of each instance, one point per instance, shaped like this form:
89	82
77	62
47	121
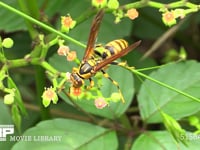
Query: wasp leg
115	83
122	64
91	83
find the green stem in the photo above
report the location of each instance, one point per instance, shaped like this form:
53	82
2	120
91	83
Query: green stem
48	67
155	4
164	85
125	121
145	3
42	24
133	5
34	61
40	84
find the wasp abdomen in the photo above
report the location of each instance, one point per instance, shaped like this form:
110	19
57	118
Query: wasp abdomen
114	47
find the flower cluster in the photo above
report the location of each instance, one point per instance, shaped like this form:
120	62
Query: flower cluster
114	5
169	17
65	51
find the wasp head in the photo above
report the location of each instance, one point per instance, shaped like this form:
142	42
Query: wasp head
76	80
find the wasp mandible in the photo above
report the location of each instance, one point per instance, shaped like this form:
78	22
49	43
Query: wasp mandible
96	58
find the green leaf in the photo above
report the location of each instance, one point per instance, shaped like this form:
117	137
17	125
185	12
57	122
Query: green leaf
6	117
134	60
16	117
159	140
18	97
183	76
72	135
12	22
148	25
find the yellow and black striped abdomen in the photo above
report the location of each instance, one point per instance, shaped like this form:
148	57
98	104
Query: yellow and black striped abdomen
114	47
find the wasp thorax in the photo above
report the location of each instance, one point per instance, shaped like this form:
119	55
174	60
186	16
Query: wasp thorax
76	80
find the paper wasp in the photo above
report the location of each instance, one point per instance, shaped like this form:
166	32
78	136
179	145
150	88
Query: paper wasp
96	58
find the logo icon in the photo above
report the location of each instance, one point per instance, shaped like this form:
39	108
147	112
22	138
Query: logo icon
5	130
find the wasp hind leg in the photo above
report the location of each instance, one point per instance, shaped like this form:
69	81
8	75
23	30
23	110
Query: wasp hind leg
122	64
115	83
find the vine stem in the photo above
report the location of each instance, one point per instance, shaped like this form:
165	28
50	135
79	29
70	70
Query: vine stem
144	3
34	61
42	25
163	84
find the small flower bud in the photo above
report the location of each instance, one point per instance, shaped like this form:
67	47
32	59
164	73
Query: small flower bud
183	54
7	43
115	97
8	99
113	4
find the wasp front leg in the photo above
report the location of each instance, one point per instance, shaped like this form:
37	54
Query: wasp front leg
91	83
115	83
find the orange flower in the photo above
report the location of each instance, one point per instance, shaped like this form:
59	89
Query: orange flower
132	13
67	23
63	50
169	18
99	3
49	95
71	55
75	91
100	103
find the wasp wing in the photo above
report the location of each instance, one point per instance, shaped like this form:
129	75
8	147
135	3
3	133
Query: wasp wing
93	35
116	56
